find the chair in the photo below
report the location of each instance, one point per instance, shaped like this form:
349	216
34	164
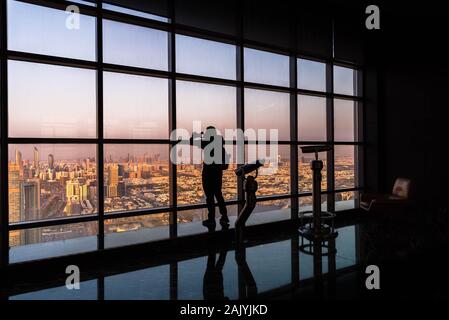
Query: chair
397	200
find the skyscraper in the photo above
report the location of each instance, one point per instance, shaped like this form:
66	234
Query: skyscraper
113	180
36	157
51	161
19	161
14	192
30	209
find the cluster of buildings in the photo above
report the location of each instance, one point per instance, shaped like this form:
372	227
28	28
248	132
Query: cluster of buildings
46	189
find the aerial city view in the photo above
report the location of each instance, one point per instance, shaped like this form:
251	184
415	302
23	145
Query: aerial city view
53	181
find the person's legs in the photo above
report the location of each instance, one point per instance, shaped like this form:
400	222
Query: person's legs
208	187
219	196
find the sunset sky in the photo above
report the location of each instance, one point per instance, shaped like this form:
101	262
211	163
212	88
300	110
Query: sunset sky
60	102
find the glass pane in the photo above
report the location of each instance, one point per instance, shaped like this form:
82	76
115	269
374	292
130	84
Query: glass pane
47	31
49	181
53	241
47	101
135	177
305	172
190	188
306	203
345	200
209	104
270	211
274	176
311	75
205	57
344	81
344	167
135	107
139	229
268	110
266	67
134	46
311	118
344	120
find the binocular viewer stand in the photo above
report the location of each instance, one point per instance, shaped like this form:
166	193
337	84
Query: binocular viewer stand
316	226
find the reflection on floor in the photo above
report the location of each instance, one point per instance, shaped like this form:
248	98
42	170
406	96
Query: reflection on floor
270	265
408	249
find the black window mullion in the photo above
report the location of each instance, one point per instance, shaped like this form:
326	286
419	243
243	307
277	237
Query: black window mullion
240	68
100	146
330	137
172	120
4	222
294	174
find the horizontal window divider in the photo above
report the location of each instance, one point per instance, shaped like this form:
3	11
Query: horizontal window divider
25	225
268	142
186	207
308	56
313	93
348	64
346	97
272	198
136	20
204	79
252	44
348	143
261	86
53	141
62	5
137	213
13	140
53	60
300	143
346	190
137	141
117	68
204	34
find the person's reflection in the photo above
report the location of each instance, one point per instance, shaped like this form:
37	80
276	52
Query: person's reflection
247	284
213	288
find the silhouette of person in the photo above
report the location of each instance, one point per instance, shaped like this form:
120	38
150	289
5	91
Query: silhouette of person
212	177
213	288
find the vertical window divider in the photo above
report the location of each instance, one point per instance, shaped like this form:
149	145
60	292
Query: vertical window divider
294	179
4	222
330	137
100	132
294	173
172	119
240	65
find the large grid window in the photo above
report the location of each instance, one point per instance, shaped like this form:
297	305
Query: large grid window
87	115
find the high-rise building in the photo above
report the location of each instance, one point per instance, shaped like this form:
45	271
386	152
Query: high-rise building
14	192
19	161
72	190
51	161
113	180
30	209
36	157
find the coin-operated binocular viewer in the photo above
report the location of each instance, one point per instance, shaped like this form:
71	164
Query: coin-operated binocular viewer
250	188
317	225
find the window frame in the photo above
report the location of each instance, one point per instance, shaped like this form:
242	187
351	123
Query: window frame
172	29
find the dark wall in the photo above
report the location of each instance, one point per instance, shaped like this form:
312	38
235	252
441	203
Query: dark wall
412	60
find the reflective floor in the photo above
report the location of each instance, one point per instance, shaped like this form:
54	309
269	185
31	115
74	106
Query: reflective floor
274	267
